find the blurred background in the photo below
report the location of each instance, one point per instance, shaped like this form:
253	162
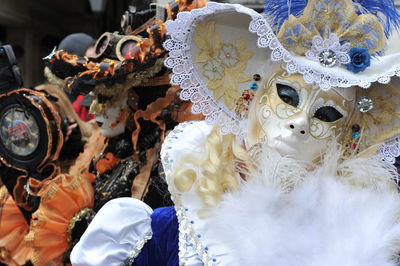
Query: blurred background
33	28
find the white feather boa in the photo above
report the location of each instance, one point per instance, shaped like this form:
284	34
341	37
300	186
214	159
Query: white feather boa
340	214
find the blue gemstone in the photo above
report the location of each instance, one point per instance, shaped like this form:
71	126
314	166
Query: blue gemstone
253	86
198	236
214	260
186	209
206	248
192	222
356	135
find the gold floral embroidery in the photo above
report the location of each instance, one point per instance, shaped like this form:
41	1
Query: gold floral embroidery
322	17
223	64
383	121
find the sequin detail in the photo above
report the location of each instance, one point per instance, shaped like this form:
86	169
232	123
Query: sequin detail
329	52
138	247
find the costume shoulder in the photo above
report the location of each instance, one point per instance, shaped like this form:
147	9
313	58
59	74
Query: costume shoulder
163	247
116	235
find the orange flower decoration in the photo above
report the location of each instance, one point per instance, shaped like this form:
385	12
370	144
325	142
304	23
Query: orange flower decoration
13	248
63	200
106	163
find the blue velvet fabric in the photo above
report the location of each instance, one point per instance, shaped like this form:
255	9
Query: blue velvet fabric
162	248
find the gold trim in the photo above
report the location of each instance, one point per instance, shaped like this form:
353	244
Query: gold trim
57	117
53	79
122	41
77	217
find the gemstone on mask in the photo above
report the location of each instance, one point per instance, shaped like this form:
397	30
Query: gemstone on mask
364	104
327	58
256	77
356	135
253	86
355	128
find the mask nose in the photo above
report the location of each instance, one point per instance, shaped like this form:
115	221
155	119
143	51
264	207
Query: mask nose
299	125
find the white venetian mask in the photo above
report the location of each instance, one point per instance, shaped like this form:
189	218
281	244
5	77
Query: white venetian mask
112	121
296	119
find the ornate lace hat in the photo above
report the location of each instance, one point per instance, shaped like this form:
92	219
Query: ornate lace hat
220	53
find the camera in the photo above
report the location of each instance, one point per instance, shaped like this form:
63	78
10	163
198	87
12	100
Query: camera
10	73
132	19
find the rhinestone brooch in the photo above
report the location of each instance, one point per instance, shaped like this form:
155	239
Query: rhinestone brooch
364	104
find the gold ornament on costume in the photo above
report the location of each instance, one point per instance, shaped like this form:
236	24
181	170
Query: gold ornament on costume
223	64
82	214
383	121
324	17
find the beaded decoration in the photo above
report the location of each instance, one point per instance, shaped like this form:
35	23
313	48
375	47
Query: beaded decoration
353	147
243	103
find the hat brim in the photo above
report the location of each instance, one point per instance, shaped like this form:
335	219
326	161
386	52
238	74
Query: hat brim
214	56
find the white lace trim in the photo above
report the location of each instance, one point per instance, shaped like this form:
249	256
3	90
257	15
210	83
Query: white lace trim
194	89
389	152
167	145
138	247
187	237
324	77
319	45
181	62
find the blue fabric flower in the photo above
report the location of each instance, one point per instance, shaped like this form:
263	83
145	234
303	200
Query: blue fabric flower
360	59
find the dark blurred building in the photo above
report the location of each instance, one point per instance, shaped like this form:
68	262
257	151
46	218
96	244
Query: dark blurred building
33	28
257	5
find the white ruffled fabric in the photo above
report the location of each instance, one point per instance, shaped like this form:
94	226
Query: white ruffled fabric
185	139
113	234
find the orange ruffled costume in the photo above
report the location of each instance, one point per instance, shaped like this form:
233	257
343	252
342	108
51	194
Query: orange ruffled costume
13	228
61	200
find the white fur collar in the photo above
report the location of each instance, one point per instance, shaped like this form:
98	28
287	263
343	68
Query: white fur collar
322	221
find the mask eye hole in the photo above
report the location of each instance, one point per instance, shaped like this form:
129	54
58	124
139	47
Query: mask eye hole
288	94
328	114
